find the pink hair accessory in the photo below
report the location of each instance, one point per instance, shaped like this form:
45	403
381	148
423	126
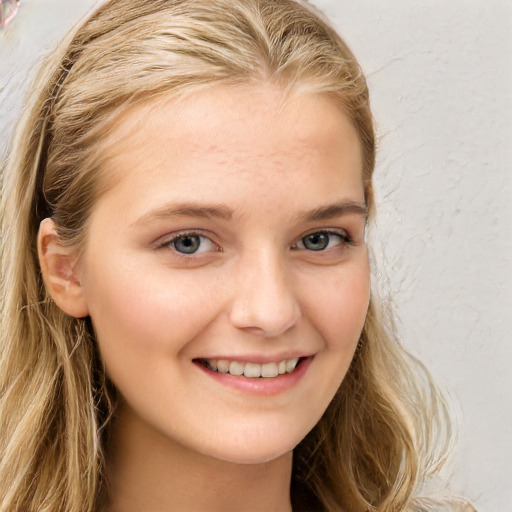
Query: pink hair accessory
8	9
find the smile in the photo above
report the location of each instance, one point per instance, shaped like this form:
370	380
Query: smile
251	370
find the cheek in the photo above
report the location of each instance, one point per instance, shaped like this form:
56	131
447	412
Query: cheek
137	314
336	310
340	305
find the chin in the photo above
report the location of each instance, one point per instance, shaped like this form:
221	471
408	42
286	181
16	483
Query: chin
255	449
256	456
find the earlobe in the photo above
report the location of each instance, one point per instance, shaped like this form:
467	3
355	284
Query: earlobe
59	268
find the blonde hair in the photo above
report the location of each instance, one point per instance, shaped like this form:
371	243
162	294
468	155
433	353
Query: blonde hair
385	431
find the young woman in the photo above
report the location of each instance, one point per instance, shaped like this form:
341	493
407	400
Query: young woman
187	322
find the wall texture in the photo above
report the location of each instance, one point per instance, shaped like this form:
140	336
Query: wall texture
441	84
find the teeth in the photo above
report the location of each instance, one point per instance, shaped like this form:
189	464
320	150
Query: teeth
252	370
269	370
222	366
236	368
291	364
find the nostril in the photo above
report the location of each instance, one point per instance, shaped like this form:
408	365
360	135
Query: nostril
263	321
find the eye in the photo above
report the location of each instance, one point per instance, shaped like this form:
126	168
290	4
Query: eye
191	243
322	240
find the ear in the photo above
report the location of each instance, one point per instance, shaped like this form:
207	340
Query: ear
59	266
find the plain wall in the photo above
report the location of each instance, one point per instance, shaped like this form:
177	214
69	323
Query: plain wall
441	85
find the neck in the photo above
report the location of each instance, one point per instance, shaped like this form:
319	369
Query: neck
148	471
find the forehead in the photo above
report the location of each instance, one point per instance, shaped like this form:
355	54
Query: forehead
227	133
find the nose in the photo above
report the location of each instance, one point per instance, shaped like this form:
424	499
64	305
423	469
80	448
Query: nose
264	301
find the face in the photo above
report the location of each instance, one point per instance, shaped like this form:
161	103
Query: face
225	271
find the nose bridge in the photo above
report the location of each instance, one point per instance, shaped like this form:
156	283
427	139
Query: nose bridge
264	298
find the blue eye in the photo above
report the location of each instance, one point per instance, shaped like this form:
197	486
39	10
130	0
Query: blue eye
187	244
192	244
321	241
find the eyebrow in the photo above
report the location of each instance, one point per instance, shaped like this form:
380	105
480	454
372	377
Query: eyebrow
334	210
207	211
223	212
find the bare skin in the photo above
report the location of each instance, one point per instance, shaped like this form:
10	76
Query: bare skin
143	478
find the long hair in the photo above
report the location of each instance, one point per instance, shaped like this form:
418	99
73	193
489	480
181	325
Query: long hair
386	429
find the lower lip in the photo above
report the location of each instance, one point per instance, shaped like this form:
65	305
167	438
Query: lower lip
260	385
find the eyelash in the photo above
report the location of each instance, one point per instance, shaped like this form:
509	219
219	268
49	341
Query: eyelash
345	240
170	243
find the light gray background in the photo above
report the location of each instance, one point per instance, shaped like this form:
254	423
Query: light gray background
441	83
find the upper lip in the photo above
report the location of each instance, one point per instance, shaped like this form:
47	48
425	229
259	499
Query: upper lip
256	358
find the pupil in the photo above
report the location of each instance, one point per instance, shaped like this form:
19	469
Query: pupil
187	244
316	241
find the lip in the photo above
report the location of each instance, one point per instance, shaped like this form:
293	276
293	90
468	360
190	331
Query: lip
259	386
256	358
